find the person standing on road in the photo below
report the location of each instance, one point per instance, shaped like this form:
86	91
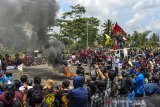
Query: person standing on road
78	96
117	64
3	66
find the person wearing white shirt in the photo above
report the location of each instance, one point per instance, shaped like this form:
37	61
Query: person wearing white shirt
24	80
117	64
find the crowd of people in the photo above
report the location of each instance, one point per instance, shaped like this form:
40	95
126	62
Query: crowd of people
7	60
114	82
124	79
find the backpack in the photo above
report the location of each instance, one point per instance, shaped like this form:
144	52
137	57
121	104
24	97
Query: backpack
122	86
125	86
114	88
50	99
64	101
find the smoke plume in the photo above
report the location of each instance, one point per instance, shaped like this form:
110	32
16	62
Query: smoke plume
54	54
38	14
35	17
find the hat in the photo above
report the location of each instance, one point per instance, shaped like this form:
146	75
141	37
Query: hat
119	76
49	83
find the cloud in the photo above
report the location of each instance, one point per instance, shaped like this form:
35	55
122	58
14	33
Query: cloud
154	25
130	14
59	13
135	21
146	4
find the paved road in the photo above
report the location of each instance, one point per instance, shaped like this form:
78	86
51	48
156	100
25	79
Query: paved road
45	72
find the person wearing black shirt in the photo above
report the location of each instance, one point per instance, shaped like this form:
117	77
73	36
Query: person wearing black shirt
80	70
61	95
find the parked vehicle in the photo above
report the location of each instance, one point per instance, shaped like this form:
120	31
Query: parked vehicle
122	52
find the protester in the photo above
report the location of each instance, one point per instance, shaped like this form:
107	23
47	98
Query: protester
117	64
152	88
126	90
49	94
78	96
37	98
37	83
97	99
24	80
61	95
139	82
105	86
10	98
105	77
17	85
80	70
3	66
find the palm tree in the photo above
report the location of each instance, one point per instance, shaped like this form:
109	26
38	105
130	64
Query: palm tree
154	40
107	25
139	39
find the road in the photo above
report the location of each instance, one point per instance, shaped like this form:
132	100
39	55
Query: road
45	72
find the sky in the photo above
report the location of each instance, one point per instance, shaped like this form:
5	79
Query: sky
131	15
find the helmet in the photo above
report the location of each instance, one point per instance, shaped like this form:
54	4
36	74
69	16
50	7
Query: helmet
93	74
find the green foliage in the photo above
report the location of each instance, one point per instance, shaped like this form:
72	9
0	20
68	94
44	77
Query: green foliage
142	40
76	12
74	27
107	25
153	40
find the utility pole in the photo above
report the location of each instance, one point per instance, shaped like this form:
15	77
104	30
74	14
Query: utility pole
87	34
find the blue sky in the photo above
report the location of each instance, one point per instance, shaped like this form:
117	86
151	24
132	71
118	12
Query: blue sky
139	15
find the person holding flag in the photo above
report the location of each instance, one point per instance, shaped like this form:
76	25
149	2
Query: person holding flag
108	40
119	33
117	30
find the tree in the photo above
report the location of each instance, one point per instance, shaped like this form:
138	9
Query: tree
107	25
153	41
139	39
66	41
75	27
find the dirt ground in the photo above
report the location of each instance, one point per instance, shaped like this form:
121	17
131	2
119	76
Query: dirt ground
45	72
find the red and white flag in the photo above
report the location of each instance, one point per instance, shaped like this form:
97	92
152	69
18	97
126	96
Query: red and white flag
117	30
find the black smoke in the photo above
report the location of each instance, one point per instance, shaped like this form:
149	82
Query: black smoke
54	51
35	17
